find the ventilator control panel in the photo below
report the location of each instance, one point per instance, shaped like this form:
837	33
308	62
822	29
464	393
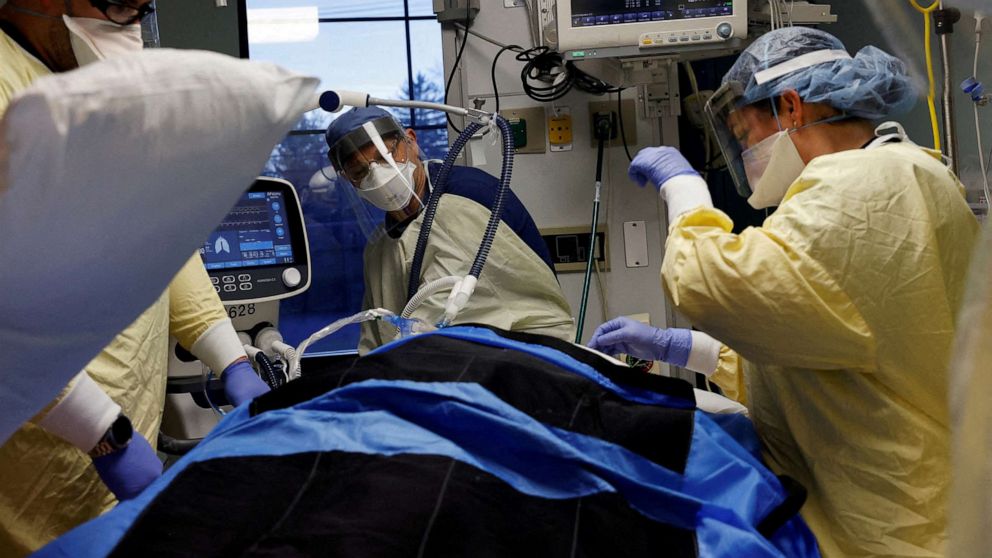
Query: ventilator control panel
260	251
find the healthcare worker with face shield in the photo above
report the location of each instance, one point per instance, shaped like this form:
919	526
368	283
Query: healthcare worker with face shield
842	305
379	161
100	426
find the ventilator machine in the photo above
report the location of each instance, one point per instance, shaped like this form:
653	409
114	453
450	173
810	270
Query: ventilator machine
256	257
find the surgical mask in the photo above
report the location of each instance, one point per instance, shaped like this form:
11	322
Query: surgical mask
771	166
774	163
97	39
388	187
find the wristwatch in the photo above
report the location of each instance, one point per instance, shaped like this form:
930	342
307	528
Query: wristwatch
117	437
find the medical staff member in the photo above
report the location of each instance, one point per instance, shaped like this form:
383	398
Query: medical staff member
99	428
971	389
842	304
517	291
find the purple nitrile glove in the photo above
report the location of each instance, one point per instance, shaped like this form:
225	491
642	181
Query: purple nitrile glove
624	335
241	383
127	472
658	165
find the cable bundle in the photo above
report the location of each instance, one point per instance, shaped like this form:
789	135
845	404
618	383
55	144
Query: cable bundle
544	66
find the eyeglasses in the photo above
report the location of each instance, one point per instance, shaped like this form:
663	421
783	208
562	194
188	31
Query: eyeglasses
358	168
123	12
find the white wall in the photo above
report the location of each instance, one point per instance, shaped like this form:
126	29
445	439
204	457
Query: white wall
557	188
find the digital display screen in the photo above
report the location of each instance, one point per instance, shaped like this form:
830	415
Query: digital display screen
253	234
589	13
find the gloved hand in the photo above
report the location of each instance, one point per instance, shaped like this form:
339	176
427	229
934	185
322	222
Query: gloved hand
658	165
624	335
241	383
128	471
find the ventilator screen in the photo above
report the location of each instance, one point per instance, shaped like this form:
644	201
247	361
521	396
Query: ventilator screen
253	234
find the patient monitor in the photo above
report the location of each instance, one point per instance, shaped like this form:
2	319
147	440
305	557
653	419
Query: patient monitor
257	256
598	28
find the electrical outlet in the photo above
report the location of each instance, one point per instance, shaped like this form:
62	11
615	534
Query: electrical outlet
609	121
629	127
528	130
569	247
518	126
560	129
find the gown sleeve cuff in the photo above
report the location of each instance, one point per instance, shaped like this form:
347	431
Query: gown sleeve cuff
219	346
704	355
83	415
685	193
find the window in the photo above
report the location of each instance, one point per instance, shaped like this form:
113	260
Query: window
388	48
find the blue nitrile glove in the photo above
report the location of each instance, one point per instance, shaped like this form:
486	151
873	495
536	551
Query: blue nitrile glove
658	165
127	472
241	383
624	335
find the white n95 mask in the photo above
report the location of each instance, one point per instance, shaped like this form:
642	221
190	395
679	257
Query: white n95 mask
387	187
96	39
771	166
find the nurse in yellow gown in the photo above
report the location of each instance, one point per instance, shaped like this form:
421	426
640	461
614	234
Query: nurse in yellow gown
837	315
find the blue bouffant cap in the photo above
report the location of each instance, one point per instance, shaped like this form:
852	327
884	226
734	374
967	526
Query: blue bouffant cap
872	84
351	121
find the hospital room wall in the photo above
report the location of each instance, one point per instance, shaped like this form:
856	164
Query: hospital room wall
901	34
558	187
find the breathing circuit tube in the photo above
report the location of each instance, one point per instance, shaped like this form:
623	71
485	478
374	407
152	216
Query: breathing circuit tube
497	209
440	185
427	290
267	370
439	189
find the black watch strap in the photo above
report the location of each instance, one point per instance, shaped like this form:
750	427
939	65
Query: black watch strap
117	437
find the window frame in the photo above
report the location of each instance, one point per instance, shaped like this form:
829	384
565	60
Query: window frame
406	18
423	123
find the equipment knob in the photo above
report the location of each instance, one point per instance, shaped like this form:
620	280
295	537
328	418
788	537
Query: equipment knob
291	277
724	30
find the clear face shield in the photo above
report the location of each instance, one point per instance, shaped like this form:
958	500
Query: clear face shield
725	121
332	193
378	161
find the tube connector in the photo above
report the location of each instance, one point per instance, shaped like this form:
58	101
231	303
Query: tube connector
979	18
975	90
251	351
266	337
270	341
458	298
287	352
